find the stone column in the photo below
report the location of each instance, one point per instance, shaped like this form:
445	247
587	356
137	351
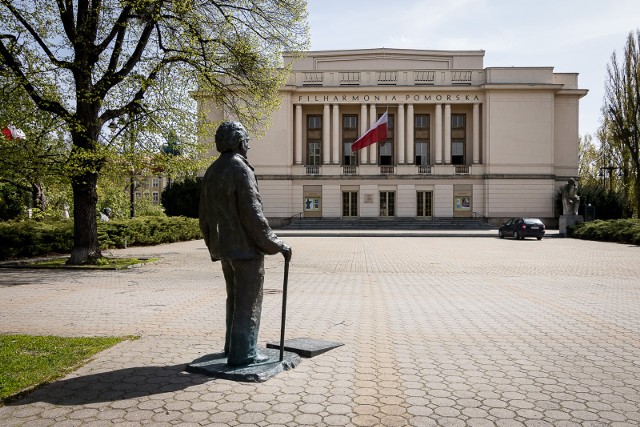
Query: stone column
372	149
335	128
410	143
400	141
326	135
476	134
447	134
362	154
298	135
438	134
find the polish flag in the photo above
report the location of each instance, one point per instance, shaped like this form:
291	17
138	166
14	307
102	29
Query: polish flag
11	132
377	133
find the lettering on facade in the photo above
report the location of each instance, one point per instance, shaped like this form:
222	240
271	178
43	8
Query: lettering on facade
416	98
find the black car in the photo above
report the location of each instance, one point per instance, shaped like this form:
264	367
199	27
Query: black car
522	227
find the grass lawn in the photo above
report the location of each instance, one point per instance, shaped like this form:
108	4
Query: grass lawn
103	263
28	361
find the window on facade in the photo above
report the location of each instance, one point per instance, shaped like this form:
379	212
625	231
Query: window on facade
458	138
314	140
422	132
387	203
386	147
349	203
155	182
424	204
349	136
156	197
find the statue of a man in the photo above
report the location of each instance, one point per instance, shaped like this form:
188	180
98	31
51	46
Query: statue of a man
237	233
570	198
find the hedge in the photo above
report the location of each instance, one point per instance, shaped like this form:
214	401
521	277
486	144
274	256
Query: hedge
615	230
27	239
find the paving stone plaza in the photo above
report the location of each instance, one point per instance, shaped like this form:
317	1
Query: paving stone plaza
437	330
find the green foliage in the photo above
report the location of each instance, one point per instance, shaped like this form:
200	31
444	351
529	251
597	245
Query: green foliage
13	201
620	133
25	239
28	361
619	230
144	231
608	205
183	198
140	66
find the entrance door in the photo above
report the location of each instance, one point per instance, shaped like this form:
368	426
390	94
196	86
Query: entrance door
387	203
349	204
424	204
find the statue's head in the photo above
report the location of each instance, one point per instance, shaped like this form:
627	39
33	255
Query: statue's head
572	182
232	136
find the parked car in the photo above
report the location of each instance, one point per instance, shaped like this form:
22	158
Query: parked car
521	228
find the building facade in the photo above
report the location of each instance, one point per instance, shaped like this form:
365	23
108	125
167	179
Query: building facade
463	140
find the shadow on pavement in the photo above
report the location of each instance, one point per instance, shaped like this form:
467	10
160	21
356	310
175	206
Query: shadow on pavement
111	386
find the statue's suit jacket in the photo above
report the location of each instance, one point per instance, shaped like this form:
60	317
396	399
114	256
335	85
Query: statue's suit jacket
231	216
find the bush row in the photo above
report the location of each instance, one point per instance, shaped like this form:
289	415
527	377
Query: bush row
616	230
26	239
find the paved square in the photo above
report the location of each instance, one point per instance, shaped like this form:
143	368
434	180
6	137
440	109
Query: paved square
445	331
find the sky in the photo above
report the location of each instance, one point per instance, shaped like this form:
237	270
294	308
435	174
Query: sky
573	36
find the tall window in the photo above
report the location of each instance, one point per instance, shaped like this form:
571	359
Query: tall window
314	140
386	147
422	132
349	203
349	136
458	138
424	204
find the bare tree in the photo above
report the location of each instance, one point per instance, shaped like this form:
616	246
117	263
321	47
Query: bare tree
110	59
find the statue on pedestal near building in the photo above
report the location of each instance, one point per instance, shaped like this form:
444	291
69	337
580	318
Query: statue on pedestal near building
570	198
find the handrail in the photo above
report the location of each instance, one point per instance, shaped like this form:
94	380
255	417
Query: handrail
292	217
484	218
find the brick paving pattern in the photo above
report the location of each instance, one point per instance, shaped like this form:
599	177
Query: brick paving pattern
438	332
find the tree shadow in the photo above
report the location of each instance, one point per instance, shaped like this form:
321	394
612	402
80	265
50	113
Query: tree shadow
121	384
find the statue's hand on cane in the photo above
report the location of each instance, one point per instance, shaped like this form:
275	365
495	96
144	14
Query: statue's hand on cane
286	252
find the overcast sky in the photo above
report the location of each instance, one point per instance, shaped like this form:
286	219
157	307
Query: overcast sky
573	36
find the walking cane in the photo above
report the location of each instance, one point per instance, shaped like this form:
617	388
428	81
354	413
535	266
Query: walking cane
284	306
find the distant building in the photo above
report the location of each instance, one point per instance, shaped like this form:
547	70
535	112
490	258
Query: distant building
463	140
150	187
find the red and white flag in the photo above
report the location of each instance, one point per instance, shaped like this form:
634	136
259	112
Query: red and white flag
11	133
377	133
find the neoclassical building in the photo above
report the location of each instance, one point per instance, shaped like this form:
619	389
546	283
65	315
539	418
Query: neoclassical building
463	140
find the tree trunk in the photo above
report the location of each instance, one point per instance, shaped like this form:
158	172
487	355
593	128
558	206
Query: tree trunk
86	248
38	196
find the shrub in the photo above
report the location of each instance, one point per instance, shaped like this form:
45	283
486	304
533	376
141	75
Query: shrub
182	198
36	238
617	230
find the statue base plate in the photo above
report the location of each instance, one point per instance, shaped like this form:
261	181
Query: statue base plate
215	365
567	221
306	347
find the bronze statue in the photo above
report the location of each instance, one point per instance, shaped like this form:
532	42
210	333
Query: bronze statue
237	234
570	198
